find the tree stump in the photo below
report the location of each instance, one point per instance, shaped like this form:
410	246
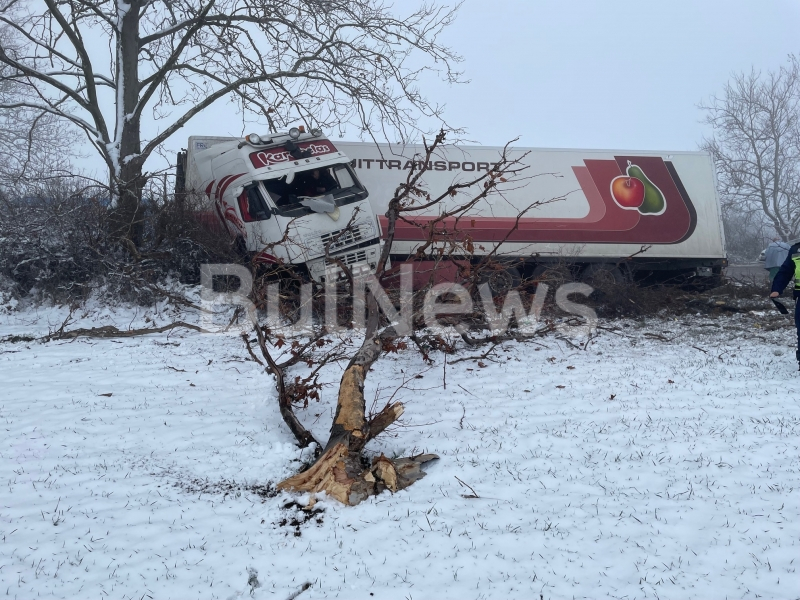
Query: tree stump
341	475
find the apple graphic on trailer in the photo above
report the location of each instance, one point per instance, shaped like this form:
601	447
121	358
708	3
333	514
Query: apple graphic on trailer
628	192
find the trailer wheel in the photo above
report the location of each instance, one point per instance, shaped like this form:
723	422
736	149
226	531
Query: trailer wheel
602	276
502	279
552	275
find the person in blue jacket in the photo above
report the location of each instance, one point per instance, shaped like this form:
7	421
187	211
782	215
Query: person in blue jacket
790	268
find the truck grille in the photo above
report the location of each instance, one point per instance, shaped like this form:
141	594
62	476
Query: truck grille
348	259
346	237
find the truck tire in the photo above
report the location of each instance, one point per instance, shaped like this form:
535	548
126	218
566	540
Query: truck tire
553	275
501	280
602	276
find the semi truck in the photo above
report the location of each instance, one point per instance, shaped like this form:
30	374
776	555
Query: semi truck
289	199
298	199
601	213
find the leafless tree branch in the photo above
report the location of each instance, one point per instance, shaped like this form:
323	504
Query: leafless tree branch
756	145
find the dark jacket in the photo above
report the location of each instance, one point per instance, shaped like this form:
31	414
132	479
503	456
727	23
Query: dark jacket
787	271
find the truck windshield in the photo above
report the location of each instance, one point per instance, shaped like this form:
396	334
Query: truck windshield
338	180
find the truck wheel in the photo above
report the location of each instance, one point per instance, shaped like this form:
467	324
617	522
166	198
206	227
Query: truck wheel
501	280
602	276
553	275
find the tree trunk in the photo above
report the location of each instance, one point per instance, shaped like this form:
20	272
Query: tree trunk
128	181
128	214
341	471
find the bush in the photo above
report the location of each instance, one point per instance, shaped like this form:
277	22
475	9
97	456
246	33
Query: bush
58	246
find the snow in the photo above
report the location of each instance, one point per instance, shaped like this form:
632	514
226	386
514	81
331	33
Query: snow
660	462
122	10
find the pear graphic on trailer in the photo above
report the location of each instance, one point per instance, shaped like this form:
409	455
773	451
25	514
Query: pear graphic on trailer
654	202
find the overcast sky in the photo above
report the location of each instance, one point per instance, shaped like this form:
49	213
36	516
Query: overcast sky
610	74
590	74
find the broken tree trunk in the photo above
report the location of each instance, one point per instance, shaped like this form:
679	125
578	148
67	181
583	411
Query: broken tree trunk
341	475
341	471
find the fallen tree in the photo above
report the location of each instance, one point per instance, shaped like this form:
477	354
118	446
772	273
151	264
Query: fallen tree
341	470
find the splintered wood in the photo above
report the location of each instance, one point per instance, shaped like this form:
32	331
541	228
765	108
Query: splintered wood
350	411
340	471
340	475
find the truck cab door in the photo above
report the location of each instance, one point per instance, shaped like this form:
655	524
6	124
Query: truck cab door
263	228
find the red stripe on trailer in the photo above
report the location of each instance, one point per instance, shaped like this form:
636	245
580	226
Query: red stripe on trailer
605	223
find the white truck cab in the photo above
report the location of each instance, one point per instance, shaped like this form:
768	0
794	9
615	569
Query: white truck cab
285	198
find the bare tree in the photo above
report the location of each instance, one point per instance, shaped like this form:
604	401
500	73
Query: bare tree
326	62
747	233
756	145
34	144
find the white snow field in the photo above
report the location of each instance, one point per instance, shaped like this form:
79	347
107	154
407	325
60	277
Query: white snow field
662	461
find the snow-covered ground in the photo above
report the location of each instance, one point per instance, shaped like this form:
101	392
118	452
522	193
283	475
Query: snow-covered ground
660	462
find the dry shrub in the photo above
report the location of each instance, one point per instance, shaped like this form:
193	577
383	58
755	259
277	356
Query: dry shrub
631	299
58	246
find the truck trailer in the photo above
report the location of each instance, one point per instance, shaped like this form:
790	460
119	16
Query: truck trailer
627	214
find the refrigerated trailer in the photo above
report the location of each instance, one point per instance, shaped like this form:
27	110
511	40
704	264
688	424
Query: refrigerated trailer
628	213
